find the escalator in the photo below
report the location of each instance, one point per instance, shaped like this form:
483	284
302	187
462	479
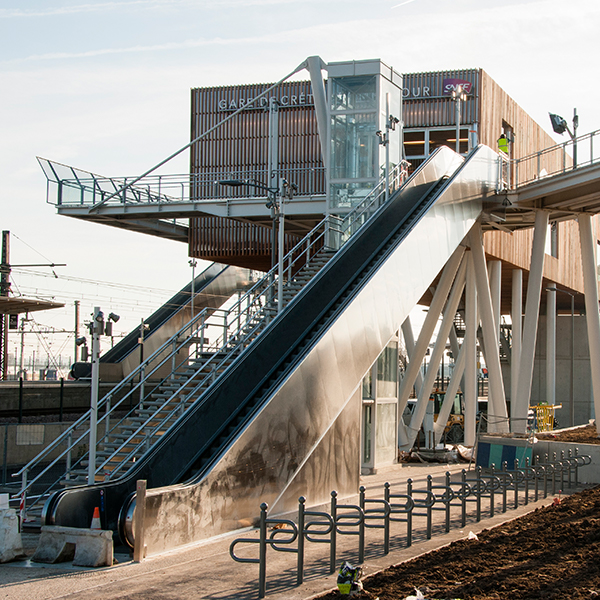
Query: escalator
281	420
213	287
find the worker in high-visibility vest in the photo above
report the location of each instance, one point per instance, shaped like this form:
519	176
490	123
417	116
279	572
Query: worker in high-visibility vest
503	144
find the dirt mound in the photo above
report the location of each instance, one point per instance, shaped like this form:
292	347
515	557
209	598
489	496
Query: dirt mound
581	435
550	553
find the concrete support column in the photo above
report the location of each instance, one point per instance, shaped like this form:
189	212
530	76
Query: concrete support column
532	313
470	352
551	347
517	335
497	413
427	330
590	286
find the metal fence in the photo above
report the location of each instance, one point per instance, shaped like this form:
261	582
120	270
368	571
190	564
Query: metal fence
452	498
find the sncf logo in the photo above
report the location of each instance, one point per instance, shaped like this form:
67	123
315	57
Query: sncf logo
450	85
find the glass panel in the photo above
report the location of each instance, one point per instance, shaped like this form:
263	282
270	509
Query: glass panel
347	195
367	386
368	432
354	93
387	372
447	137
414	143
353	146
385	440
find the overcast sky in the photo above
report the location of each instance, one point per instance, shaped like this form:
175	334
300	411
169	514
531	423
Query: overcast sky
104	86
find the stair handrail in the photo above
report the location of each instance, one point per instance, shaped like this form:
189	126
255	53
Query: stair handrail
331	224
268	282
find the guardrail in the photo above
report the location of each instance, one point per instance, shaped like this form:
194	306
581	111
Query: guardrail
287	535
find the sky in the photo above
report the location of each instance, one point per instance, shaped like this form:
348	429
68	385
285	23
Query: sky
105	86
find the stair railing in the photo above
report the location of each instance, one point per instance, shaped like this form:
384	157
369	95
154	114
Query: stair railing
256	304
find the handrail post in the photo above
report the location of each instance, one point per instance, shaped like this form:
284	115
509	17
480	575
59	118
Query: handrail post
492	491
386	521
429	505
69	455
262	565
409	483
332	545
463	512
142	384
300	566
504	484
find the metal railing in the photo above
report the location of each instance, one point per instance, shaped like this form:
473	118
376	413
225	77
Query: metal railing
397	506
580	152
81	188
189	377
201	364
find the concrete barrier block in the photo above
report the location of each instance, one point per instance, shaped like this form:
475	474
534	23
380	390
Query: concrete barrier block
85	547
11	544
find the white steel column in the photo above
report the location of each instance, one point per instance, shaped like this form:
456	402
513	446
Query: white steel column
470	352
427	330
497	412
436	356
459	369
532	312
590	286
517	335
551	347
409	341
495	274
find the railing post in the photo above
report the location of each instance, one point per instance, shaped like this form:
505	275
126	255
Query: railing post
142	384
69	455
504	484
409	483
386	521
545	476
262	565
516	482
332	546
300	566
448	491
61	399
553	473
480	482
429	505
463	515
492	491
361	527
527	471
23	503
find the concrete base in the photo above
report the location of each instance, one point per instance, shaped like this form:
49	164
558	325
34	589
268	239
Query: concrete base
85	547
11	545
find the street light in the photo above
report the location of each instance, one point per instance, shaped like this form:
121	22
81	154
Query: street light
572	401
276	204
97	327
458	96
559	125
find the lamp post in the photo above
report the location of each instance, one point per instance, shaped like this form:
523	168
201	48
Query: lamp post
572	381
277	195
458	95
559	125
97	327
193	264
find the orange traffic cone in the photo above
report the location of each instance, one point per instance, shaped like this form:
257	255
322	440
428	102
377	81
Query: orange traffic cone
96	519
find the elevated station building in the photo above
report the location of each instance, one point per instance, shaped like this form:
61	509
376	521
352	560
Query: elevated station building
362	194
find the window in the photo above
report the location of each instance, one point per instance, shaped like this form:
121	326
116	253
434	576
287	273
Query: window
387	372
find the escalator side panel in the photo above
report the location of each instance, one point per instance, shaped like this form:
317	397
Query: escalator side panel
299	442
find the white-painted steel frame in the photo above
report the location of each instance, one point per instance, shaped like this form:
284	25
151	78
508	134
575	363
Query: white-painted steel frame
517	333
551	346
409	342
590	286
436	356
497	412
532	311
470	352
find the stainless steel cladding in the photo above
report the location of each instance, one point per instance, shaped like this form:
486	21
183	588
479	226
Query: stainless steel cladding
427	97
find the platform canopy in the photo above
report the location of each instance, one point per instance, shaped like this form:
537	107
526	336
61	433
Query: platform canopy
10	305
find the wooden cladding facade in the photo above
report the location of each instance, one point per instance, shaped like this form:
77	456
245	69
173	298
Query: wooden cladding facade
232	242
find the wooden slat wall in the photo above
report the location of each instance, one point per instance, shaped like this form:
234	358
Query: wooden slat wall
515	249
497	106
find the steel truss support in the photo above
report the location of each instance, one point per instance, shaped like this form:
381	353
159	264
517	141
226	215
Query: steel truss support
470	352
520	403
497	412
414	366
517	335
590	286
551	347
436	356
409	340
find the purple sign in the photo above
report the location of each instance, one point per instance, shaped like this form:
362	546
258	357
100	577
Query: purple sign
450	85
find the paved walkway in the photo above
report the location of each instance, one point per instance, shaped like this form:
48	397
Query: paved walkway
206	570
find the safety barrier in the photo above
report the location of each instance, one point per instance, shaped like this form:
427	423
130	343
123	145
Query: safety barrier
286	535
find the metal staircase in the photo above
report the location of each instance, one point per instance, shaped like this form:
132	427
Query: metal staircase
155	396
